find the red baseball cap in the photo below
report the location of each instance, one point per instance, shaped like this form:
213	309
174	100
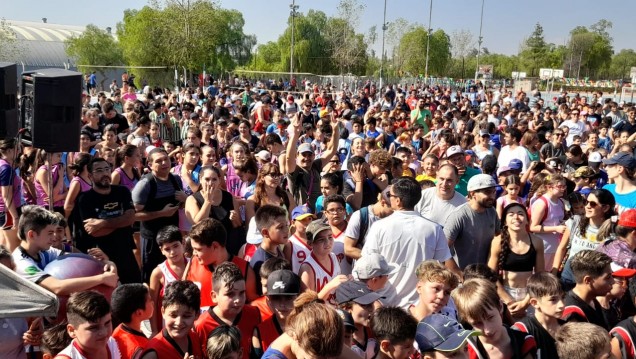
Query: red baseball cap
628	218
620	271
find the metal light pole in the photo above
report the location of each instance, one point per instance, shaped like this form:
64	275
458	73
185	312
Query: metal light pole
293	8
481	24
384	28
428	39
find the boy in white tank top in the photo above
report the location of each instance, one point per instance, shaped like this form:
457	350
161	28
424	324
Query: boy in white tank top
301	217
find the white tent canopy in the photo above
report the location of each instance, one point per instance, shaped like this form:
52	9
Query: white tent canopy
21	298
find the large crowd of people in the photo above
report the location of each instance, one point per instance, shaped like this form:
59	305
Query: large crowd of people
408	221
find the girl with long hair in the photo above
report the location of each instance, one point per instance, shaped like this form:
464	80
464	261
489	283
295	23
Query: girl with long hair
548	216
127	165
42	181
188	170
515	254
268	191
512	186
10	193
81	182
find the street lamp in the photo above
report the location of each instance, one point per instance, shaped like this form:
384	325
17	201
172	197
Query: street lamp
428	39
293	8
384	28
481	24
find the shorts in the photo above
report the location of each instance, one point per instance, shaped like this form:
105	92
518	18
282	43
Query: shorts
6	221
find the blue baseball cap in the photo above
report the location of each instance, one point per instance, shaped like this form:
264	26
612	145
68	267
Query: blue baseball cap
515	164
301	212
438	332
624	159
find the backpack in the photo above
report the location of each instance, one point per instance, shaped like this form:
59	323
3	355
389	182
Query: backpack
153	184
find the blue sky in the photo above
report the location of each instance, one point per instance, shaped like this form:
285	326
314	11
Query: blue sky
506	23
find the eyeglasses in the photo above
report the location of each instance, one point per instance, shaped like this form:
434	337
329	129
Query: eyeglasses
335	210
592	204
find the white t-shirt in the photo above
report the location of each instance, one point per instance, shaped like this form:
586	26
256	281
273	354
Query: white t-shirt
436	209
575	129
31	268
506	154
300	252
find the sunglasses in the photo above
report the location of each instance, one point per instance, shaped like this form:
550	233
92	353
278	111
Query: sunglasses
592	204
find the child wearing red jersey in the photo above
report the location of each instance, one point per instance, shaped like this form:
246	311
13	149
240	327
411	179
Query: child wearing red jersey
208	239
268	267
131	304
224	342
180	308
171	245
228	292
283	287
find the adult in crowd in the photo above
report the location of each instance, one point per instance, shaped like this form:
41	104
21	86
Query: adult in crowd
621	169
407	238
456	156
107	215
157	197
360	222
472	226
301	167
10	196
437	203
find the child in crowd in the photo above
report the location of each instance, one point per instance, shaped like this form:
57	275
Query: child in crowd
273	224
583	341
283	287
440	337
593	276
430	164
624	333
180	308
480	308
228	292
54	340
321	271
301	217
405	154
394	331
171	244
434	288
131	304
349	326
611	302
224	342
373	270
512	185
268	267
356	298
90	326
208	239
546	297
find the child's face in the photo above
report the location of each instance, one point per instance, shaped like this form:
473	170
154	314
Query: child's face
109	156
281	305
45	239
173	251
357	128
603	131
322	244
92	335
278	232
230	300
402	350
491	325
434	295
406	159
551	306
204	254
430	167
619	287
513	189
59	237
326	189
154	131
362	314
169	147
335	213
179	319
301	225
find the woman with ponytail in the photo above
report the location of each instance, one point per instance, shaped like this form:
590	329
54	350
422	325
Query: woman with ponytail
582	231
127	165
515	254
313	330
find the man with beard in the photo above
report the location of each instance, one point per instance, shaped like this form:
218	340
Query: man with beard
472	226
108	214
421	115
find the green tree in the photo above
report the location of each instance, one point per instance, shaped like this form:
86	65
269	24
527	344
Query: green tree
589	50
535	50
94	47
412	49
462	42
622	63
348	49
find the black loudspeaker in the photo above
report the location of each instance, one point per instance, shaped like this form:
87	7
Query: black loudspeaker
8	100
51	109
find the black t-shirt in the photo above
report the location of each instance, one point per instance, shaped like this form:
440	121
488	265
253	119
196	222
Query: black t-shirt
117	120
576	310
546	345
96	133
95	205
310	118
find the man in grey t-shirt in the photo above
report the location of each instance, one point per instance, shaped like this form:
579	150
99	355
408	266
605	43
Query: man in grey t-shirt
439	202
471	228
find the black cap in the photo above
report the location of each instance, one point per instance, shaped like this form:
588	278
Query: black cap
347	318
157	105
194	116
283	282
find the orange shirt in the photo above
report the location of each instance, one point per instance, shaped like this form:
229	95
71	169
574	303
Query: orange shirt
130	341
261	304
201	275
166	348
246	321
269	330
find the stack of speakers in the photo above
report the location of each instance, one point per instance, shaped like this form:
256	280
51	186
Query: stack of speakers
47	114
